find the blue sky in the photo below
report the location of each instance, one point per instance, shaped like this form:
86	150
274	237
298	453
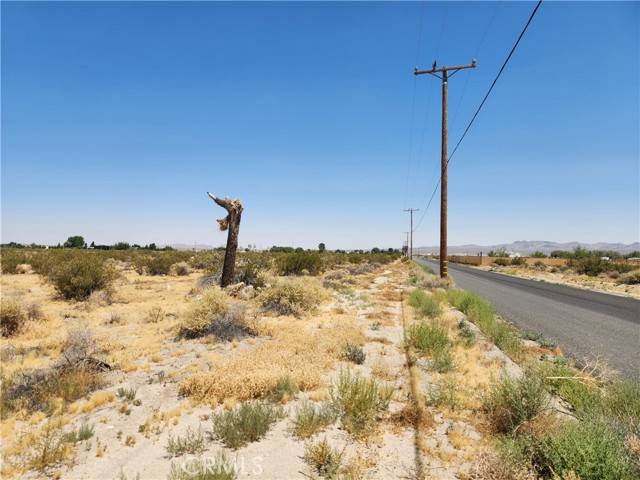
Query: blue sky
118	117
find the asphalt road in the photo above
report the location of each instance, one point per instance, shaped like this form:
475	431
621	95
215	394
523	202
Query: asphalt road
582	322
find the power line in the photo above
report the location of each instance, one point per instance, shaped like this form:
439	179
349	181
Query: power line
475	115
413	108
445	17
475	55
513	49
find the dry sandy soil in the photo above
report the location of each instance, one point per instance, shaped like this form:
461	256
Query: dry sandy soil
180	384
600	283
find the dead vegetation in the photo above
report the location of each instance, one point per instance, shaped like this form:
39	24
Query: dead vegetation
303	352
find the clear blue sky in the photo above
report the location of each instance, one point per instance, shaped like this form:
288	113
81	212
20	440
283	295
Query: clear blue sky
118	117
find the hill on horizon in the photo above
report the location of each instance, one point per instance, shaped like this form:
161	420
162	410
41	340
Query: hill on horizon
525	247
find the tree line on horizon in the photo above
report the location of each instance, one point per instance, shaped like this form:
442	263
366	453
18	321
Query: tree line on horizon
78	241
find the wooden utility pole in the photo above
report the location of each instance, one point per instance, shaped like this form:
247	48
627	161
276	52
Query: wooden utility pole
411	210
444	158
232	223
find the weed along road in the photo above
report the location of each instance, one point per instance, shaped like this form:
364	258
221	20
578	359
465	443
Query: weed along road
583	323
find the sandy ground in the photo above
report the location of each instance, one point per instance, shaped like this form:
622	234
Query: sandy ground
601	283
130	439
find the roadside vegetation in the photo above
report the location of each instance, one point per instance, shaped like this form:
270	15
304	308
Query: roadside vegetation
598	439
482	313
608	270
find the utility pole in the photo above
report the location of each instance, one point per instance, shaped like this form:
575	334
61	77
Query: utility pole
444	159
411	210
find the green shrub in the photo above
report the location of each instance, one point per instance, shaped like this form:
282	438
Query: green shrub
10	258
84	432
430	339
512	402
467	336
127	394
12	317
503	262
524	457
191	442
311	418
481	312
297	263
445	393
426	306
591	450
323	460
359	402
80	276
592	265
211	261
538	337
214	314
292	296
252	267
416	297
245	424
621	405
518	262
354	353
155	264
563	381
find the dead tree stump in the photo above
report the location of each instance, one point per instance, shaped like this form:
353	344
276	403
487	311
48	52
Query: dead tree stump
231	223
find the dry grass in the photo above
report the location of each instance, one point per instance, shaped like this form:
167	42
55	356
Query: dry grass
41	448
98	399
156	423
411	416
303	352
383	371
458	439
391	295
491	467
12	317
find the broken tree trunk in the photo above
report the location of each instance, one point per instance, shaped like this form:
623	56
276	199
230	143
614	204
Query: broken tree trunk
231	223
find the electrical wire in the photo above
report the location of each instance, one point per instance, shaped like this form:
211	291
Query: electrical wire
475	115
413	110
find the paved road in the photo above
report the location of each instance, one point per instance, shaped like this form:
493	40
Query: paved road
583	323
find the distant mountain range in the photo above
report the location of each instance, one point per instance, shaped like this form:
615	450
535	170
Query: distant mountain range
525	247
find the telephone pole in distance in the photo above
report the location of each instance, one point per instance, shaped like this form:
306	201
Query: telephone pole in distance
411	210
444	159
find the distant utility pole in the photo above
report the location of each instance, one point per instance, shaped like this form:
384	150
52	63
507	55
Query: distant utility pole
444	159
411	210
